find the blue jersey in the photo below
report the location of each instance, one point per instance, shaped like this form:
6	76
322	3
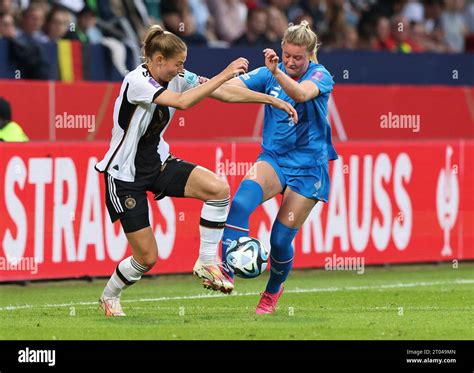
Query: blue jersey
307	143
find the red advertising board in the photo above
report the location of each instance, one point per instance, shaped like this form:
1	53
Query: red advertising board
390	202
356	112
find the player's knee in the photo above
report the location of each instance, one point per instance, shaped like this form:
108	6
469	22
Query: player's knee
148	261
148	258
217	189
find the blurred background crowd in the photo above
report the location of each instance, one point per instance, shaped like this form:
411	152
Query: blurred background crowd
406	26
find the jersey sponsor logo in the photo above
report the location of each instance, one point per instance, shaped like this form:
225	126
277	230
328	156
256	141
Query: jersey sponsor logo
153	82
317	75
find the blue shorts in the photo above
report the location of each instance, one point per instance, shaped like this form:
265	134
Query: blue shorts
312	183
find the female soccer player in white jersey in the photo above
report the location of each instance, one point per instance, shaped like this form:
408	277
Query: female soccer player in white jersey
294	158
139	159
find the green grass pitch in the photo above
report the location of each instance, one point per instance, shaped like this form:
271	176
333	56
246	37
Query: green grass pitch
396	302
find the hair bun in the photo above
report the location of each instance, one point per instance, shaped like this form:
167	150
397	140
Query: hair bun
154	30
305	23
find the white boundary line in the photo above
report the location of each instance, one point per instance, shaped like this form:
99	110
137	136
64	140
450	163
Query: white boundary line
237	294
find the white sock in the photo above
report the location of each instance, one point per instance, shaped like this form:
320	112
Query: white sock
126	274
213	217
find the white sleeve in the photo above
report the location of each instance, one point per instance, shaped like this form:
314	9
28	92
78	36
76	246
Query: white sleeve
143	90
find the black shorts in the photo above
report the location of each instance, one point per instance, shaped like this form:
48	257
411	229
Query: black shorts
128	202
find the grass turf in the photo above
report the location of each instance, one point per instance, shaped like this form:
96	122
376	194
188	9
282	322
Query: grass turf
396	302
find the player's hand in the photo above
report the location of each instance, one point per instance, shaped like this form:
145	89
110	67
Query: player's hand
286	106
271	60
202	79
236	68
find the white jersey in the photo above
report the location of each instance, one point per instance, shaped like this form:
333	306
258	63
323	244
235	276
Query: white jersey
137	147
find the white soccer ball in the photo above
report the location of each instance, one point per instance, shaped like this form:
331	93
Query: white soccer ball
247	257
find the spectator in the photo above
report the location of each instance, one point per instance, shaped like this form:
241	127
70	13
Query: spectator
87	30
211	35
58	25
452	22
282	5
383	39
469	20
350	38
433	11
469	17
230	17
201	14
336	20
9	130
137	15
7	26
401	35
418	37
27	47
277	24
177	18
256	27
173	22
32	23
316	10
8	6
304	17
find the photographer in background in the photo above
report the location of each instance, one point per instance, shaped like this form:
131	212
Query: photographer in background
9	130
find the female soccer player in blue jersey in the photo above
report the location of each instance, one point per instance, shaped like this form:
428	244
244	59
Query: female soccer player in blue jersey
294	157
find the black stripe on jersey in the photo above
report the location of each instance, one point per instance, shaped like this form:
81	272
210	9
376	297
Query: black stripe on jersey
115	152
157	93
147	159
125	116
126	110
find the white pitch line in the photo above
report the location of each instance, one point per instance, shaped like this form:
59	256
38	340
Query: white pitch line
237	294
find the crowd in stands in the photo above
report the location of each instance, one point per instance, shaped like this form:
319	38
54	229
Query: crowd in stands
406	26
394	25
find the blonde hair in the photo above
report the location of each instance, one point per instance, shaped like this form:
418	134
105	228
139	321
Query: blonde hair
165	42
302	35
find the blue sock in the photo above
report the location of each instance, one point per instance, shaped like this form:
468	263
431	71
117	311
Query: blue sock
281	255
246	200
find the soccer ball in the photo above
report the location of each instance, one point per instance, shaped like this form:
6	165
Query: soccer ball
247	257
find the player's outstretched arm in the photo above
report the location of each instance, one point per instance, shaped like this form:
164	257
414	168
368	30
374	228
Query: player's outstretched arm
191	97
300	92
236	94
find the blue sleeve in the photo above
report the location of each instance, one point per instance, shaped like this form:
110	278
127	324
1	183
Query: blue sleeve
256	80
323	80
